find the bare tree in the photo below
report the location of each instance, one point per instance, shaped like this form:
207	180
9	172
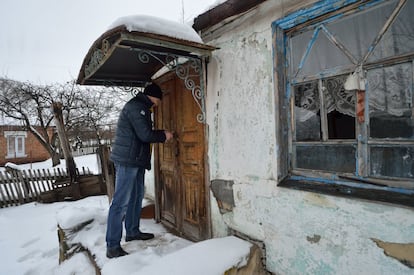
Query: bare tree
97	107
30	105
82	108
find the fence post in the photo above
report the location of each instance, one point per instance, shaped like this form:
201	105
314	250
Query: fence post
67	152
107	169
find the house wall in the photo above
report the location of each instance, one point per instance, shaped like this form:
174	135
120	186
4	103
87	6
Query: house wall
34	150
303	232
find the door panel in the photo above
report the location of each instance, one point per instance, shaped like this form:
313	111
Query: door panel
167	162
191	160
181	162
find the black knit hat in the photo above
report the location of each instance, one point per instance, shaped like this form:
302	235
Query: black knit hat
153	90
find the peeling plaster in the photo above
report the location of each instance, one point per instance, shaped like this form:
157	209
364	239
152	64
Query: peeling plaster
223	192
319	200
403	252
313	239
243	147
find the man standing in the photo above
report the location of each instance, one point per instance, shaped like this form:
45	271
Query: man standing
131	155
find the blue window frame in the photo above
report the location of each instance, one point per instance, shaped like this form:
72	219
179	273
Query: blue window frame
344	74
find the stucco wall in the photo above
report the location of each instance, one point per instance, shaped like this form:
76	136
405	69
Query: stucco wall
304	233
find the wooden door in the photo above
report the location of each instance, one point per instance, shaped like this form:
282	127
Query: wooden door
181	180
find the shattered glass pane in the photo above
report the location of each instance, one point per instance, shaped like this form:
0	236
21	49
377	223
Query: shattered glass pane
340	105
337	98
307	114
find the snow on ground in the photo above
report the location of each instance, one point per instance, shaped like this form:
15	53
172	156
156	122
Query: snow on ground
29	243
87	161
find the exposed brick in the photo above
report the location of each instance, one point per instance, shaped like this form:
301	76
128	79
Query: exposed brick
34	150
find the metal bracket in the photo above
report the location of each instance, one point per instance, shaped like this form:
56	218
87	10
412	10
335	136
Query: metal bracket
187	68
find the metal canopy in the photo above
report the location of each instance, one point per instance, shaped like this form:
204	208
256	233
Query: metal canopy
123	58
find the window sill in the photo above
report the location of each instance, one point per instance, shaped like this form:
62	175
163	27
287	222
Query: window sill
351	190
16	157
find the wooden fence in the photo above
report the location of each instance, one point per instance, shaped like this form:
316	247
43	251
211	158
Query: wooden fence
22	186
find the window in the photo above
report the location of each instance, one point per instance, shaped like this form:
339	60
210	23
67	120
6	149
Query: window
15	144
349	85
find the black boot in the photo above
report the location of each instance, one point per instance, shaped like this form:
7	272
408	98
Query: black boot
142	236
115	252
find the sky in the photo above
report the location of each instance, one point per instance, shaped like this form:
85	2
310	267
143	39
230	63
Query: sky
45	41
29	242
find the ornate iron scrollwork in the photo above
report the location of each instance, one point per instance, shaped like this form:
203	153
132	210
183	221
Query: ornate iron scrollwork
133	90
97	57
186	71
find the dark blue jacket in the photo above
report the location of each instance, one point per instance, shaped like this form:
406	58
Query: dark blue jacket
134	134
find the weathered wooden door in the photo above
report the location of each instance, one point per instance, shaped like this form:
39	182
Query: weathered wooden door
180	165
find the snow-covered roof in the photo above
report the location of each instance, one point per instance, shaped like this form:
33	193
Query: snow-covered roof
155	25
113	58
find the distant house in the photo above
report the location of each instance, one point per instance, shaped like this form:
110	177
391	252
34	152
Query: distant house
18	145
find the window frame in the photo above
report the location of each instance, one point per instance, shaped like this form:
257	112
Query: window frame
319	181
17	136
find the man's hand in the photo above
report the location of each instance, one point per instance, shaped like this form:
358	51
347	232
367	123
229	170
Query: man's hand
168	135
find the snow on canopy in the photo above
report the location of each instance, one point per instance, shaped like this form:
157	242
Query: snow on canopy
151	24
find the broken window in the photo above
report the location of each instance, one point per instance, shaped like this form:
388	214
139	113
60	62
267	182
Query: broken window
352	103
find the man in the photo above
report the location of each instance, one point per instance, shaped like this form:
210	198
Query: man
131	155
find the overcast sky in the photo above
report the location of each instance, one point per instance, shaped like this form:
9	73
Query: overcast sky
45	41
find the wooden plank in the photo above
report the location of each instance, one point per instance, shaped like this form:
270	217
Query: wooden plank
55	172
64	144
16	187
49	177
107	170
25	187
33	184
60	176
45	179
8	198
3	198
351	192
323	112
36	182
36	185
9	187
222	11
39	181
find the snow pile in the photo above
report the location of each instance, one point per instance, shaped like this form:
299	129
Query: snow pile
29	242
209	257
151	24
87	161
12	166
